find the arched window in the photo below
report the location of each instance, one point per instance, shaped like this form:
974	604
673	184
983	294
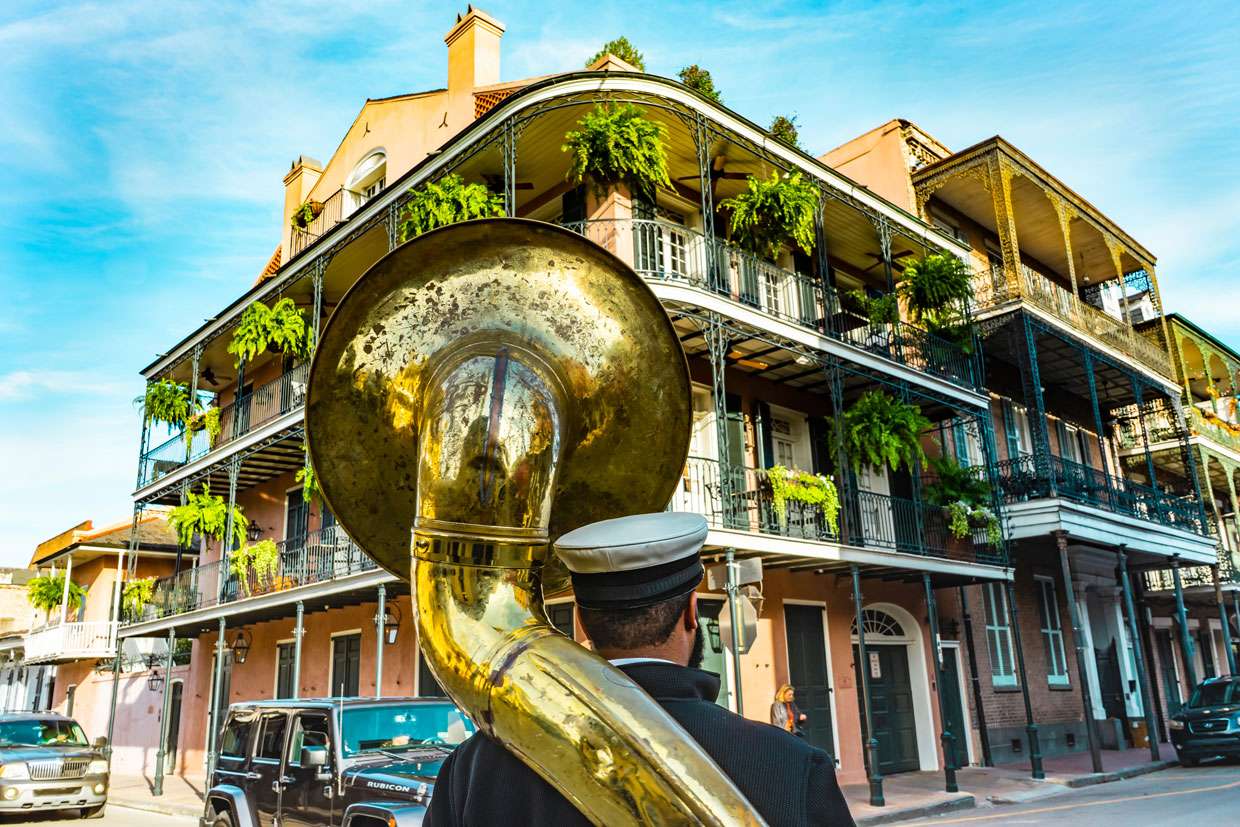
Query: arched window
878	624
367	180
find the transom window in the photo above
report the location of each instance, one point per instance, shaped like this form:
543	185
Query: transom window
878	623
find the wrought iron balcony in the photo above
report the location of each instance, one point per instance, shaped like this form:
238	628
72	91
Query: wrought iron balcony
991	289
330	214
661	251
1021	480
64	642
238	418
318	557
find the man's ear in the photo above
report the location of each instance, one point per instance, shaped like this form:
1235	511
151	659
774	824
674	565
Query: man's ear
691	615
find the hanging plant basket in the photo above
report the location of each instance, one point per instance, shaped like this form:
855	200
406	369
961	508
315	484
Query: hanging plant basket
206	514
281	328
879	430
304	215
449	200
773	212
813	490
616	144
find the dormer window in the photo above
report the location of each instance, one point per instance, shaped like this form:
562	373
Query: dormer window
366	181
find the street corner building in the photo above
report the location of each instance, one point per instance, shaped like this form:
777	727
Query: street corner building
980	525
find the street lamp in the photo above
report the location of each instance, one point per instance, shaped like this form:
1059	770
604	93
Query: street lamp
253	531
391	622
241	646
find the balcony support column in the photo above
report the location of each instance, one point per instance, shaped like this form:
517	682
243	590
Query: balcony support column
218	704
1092	379
732	587
239	401
990	455
234	469
116	659
1025	346
64	595
1226	623
144	443
380	611
1184	438
299	630
717	346
392	220
166	707
1138	393
870	743
884	248
975	681
706	187
1143	683
1181	619
947	737
1031	728
850	515
1078	641
999	182
510	168
1235	609
194	363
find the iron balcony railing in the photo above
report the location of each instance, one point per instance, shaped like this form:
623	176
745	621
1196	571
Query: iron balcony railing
991	288
1021	480
662	251
62	642
238	418
876	520
1201	420
330	214
318	557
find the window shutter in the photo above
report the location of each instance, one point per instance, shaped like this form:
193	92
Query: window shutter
766	441
1010	429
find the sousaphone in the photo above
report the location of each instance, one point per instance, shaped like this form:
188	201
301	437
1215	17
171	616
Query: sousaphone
488	387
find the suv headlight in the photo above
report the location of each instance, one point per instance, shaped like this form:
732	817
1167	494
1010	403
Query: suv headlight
97	767
15	771
1172	723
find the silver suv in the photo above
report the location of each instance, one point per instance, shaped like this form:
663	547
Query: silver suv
46	763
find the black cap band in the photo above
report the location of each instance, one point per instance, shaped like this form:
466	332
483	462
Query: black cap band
639	587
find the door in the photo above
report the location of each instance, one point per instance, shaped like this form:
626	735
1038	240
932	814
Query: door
891	707
346	665
284	670
174	725
953	703
234	750
241	408
306	800
218	710
807	672
1166	665
265	768
428	687
714	656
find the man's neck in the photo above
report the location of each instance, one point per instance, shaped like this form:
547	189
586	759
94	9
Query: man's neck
659	653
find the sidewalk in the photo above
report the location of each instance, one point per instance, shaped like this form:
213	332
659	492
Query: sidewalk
181	797
917	795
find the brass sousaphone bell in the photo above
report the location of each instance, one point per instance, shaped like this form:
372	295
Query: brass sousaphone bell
492	385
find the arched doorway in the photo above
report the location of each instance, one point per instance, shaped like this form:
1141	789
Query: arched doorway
899	689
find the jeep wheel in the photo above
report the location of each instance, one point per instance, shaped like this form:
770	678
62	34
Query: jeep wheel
93	812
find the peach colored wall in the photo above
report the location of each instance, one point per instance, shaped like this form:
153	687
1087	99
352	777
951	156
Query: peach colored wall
876	159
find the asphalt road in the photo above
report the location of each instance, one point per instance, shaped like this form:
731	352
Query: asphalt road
1205	796
114	817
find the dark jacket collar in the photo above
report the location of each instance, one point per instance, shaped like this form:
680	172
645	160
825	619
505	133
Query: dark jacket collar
668	681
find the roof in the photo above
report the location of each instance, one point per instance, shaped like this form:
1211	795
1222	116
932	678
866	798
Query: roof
153	532
1177	318
273	265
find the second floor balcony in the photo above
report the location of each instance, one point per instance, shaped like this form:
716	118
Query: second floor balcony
64	642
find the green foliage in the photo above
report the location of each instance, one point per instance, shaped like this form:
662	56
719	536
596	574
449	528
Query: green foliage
882	430
621	48
447	201
260	559
772	212
303	215
282	327
167	402
934	285
951	326
803	487
206	514
615	144
135	596
208	420
882	310
954	483
962	518
48	591
784	128
309	483
700	81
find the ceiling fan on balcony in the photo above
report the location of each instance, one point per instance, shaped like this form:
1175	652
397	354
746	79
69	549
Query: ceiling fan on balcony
718	170
495	183
209	376
895	260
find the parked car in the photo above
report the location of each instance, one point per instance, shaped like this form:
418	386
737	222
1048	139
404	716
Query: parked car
353	762
46	763
1209	724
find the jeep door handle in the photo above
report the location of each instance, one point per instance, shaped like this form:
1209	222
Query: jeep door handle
252	776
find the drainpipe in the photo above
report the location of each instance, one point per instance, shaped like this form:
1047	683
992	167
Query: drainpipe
213	732
975	679
1138	655
163	720
731	587
298	631
947	737
382	608
863	669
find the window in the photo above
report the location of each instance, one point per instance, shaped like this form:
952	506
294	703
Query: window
308	731
999	635
366	181
1016	430
1052	633
346	665
284	670
236	738
271	737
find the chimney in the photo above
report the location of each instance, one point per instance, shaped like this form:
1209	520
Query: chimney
301	178
473	51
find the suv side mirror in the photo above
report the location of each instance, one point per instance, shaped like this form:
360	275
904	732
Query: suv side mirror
101	742
315	757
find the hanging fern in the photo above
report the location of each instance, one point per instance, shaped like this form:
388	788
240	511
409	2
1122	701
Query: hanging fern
47	592
773	212
447	201
206	514
309	483
261	559
166	402
615	144
136	595
305	214
814	490
884	309
955	483
208	420
935	284
882	430
281	328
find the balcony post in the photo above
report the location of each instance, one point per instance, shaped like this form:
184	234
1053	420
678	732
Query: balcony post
120	646
717	346
217	703
1078	640
870	743
1143	684
1139	394
850	517
1031	728
320	265
64	595
195	360
166	706
379	613
1235	607
1098	429
975	680
733	589
822	255
1181	423
1181	619
239	401
706	187
234	469
947	736
1031	381
299	630
510	168
1226	623
990	453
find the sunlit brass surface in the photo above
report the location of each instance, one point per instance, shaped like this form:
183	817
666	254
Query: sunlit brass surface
493	385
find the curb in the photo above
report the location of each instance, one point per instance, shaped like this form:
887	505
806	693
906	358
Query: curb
156	807
961	801
1119	775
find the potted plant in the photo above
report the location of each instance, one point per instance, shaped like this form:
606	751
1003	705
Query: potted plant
305	214
813	490
136	596
259	559
447	201
964	498
879	430
935	283
208	420
278	329
773	212
48	592
880	310
309	483
615	144
166	402
206	514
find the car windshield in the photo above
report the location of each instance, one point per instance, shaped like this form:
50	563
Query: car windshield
1215	694
401	726
38	733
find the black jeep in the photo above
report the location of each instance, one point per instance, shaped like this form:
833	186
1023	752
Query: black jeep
352	762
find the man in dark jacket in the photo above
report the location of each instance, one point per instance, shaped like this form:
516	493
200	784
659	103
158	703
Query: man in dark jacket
634	580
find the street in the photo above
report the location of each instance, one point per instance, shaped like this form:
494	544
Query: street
1205	795
115	817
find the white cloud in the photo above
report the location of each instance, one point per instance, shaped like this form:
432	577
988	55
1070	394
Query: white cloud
26	384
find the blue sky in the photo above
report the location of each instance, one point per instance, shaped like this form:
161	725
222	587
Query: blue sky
143	147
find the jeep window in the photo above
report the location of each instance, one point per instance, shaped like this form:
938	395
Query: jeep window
271	737
35	732
235	742
1215	694
308	731
401	726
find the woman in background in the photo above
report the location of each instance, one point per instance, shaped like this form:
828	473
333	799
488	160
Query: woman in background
784	712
